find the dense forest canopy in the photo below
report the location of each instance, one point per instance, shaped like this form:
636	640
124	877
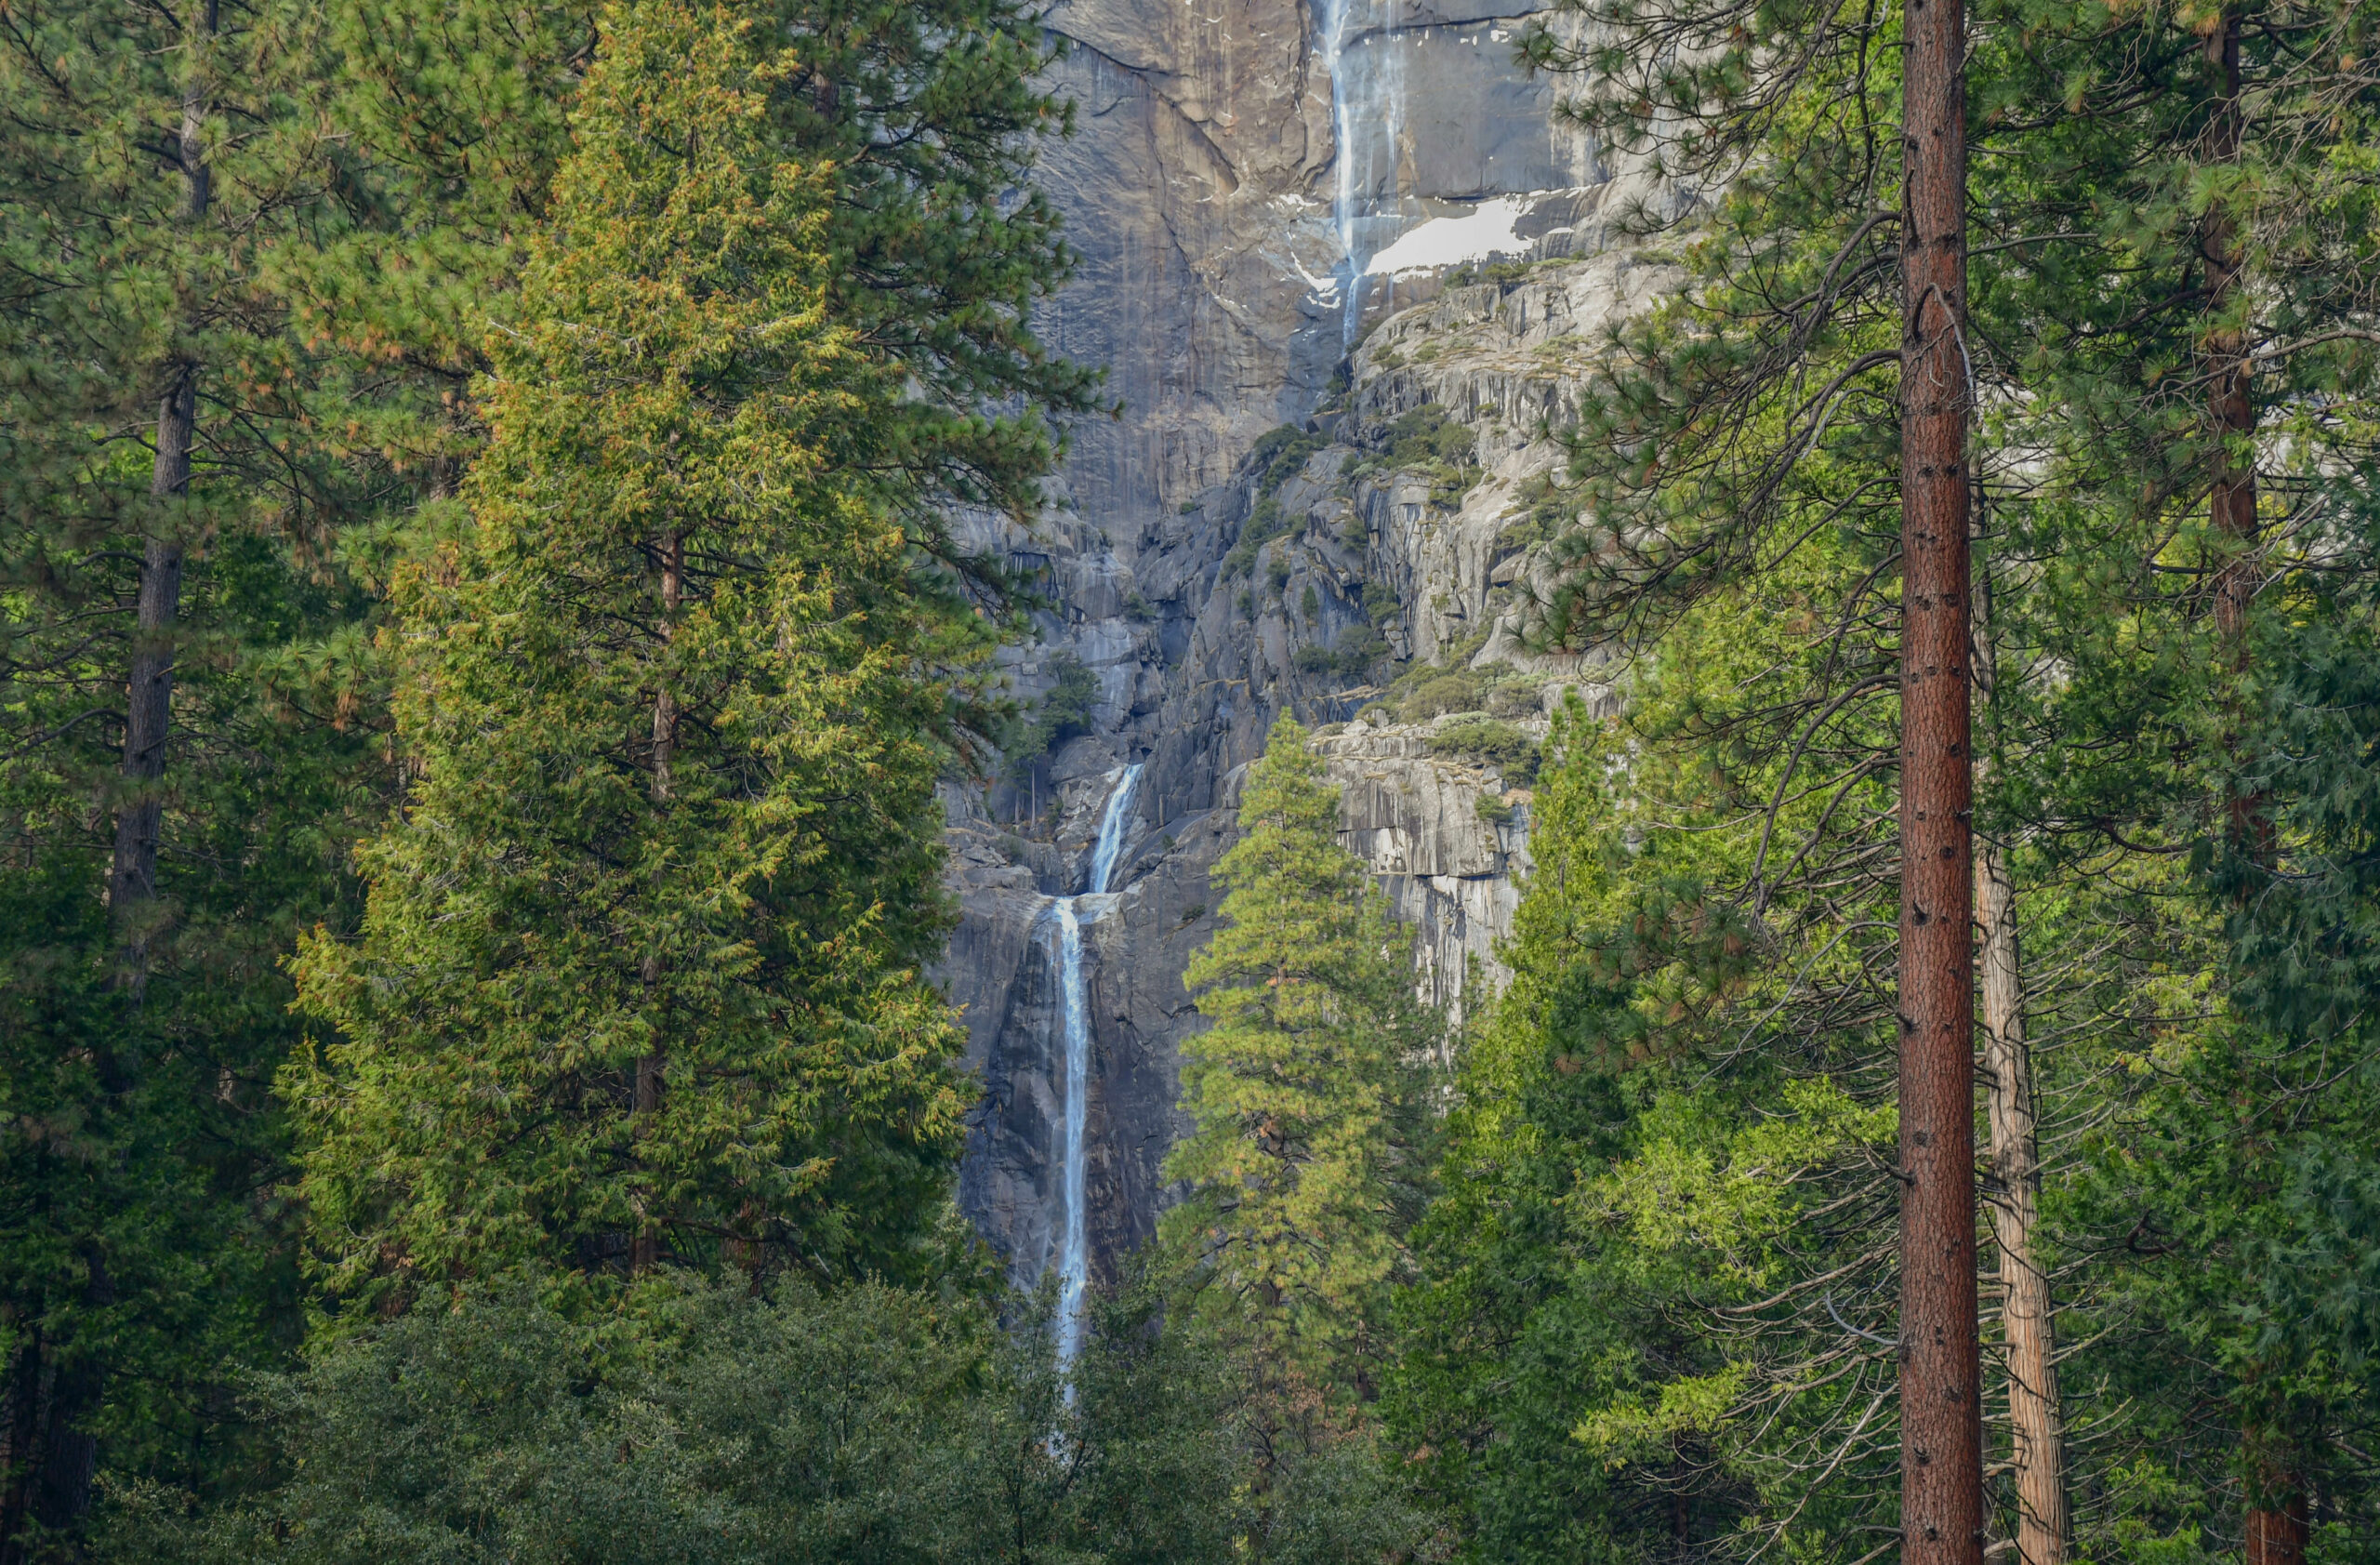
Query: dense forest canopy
493	598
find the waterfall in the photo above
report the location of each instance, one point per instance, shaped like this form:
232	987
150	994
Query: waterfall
1367	90
1073	1244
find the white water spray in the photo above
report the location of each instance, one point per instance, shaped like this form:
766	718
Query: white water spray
1074	1243
1366	103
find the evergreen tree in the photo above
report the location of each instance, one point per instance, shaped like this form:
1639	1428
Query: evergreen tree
924	121
2133	168
185	755
639	981
1304	1095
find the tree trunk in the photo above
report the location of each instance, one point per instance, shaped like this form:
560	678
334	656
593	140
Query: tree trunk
2036	1414
2275	1524
2034	1410
27	1399
2276	1530
53	1454
1940	1354
149	689
646	1251
2231	503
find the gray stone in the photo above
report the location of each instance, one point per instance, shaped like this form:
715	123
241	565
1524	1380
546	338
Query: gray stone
1200	194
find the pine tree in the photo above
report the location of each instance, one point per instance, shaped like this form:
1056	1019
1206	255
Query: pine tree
1302	1161
924	119
639	982
183	758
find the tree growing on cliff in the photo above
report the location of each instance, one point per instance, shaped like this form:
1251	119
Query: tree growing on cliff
1307	1096
639	978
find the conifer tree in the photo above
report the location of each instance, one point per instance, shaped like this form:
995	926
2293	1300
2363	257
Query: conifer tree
180	754
1302	1095
924	119
639	981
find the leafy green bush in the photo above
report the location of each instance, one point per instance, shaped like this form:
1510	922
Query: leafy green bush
1427	442
1360	650
1356	653
1265	523
1280	453
1549	514
711	1424
1489	740
1461	690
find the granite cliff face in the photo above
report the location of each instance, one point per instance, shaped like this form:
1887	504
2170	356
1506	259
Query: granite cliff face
1331	470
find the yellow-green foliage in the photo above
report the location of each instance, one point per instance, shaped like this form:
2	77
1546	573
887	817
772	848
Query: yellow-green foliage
1299	1090
553	905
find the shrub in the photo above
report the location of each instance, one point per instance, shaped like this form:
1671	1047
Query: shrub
1265	523
1359	650
1278	456
1486	738
1461	691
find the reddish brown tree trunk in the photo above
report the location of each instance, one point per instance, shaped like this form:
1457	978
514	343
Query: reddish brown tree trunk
1940	1354
2275	1523
2231	505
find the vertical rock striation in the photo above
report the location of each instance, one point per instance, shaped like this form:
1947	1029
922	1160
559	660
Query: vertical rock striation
1332	466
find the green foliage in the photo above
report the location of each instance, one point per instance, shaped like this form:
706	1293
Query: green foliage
923	120
1280	454
146	1262
700	1424
641	967
1508	747
1303	1095
1063	712
1354	654
1427	441
1265	522
1545	513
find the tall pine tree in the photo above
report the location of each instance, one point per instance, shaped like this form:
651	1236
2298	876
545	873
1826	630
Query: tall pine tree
1307	1096
639	982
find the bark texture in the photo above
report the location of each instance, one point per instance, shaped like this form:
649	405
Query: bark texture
149	687
2035	1413
1941	1355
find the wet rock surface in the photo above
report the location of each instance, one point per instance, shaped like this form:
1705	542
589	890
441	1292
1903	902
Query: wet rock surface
1264	529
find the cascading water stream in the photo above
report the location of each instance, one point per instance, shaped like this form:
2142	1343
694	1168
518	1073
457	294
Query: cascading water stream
1366	91
1073	1244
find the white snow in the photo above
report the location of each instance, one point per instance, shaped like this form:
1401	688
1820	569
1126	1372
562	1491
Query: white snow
1489	229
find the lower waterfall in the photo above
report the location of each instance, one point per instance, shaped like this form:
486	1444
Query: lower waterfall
1073	1244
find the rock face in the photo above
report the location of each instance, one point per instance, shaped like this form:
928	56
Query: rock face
1331	468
